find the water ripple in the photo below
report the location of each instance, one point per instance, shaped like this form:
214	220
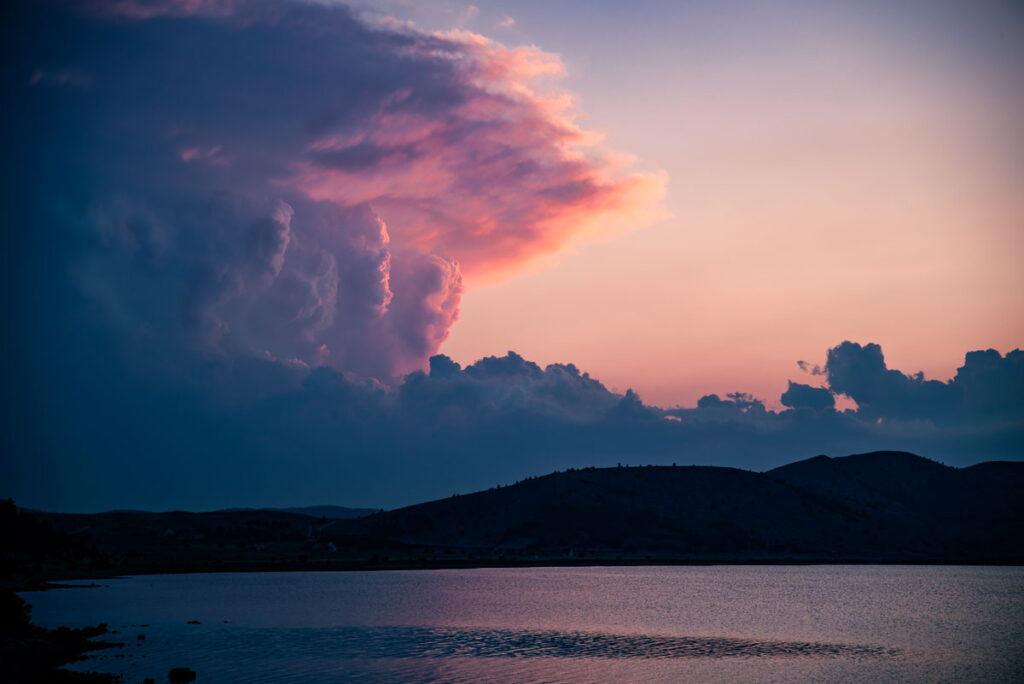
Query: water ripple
449	642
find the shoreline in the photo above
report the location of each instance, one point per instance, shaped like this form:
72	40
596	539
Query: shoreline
48	583
31	653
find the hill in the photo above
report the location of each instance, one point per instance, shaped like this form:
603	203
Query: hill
884	506
330	512
877	507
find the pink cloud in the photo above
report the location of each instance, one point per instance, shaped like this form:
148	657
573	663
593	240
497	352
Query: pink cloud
64	78
502	176
210	155
327	206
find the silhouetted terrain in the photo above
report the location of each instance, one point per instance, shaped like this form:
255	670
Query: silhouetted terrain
877	507
880	506
331	512
40	546
32	654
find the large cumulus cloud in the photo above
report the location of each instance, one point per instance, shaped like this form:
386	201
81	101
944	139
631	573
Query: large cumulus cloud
288	181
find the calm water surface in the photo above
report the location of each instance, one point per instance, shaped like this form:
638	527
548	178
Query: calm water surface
717	623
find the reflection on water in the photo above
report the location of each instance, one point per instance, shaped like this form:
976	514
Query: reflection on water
449	642
816	623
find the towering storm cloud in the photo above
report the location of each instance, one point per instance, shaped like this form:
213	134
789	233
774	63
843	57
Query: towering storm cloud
287	181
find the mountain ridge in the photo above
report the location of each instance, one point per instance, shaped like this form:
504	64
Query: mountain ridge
880	507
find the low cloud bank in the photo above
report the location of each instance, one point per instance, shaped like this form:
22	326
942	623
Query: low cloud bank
262	432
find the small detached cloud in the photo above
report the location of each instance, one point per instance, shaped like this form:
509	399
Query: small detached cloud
808	368
211	154
804	396
61	78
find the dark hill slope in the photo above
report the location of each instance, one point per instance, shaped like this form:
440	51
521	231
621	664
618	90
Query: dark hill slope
91	545
881	506
920	502
676	510
894	476
330	512
996	490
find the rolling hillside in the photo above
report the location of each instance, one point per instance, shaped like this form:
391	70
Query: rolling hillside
877	507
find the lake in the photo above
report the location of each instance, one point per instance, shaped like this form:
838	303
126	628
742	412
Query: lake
598	624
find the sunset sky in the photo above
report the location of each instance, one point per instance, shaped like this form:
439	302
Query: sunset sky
835	171
276	253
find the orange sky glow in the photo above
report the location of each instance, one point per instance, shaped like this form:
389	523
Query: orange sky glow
848	177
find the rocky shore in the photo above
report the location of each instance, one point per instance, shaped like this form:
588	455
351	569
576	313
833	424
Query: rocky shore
30	654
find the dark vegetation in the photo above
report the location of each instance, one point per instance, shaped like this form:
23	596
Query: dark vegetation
33	654
878	507
332	512
181	674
